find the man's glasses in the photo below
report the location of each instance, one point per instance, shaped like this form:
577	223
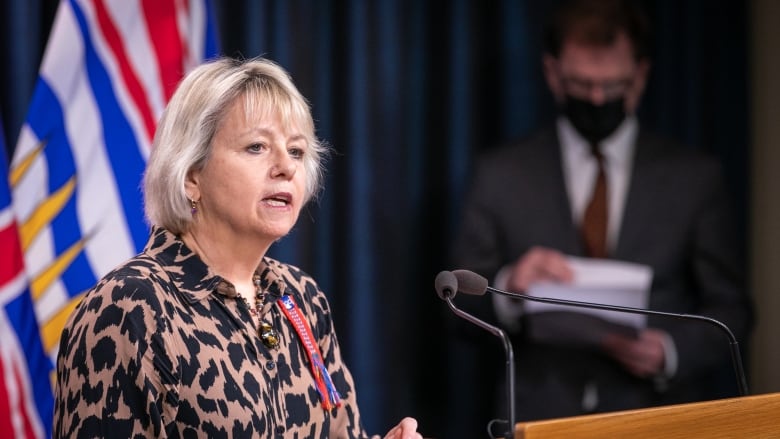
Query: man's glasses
582	87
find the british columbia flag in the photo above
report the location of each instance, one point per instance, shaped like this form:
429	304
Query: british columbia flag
109	68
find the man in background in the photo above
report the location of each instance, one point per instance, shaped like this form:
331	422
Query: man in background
595	184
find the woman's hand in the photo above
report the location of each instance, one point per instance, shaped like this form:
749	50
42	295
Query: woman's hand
406	429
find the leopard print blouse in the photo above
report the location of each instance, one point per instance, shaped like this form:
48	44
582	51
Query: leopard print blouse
164	347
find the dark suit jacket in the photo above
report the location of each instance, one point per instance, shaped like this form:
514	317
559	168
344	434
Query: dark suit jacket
677	219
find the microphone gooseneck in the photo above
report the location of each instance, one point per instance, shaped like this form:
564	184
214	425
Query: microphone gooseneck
447	284
474	284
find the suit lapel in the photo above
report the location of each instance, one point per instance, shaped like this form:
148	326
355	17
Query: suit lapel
558	197
640	204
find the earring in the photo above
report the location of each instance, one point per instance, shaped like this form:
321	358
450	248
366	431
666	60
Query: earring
193	207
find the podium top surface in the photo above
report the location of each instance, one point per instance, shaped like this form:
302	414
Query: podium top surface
756	416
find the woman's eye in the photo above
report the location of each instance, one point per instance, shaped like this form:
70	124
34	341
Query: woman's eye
256	147
296	152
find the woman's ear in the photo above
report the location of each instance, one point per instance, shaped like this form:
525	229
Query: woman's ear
192	185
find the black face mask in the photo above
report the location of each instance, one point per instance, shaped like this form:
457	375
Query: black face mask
594	122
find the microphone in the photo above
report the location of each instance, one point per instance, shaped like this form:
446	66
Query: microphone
446	284
469	282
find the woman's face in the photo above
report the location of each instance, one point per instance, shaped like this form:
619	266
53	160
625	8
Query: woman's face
254	180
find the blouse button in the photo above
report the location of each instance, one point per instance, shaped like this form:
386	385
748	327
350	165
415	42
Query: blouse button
279	429
270	365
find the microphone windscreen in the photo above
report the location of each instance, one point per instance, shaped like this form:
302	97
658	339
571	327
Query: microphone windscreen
469	282
446	285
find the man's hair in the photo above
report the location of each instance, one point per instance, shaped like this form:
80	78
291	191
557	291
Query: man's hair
598	23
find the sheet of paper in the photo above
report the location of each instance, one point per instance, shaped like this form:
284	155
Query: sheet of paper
596	281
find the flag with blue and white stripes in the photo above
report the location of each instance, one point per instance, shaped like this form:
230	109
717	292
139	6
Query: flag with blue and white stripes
25	389
109	68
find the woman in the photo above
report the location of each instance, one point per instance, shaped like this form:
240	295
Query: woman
201	335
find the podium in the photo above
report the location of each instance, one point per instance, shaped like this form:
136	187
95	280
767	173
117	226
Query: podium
756	416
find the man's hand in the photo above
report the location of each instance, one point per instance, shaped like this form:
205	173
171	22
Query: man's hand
539	264
643	356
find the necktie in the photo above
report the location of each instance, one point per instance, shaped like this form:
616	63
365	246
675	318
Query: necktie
594	222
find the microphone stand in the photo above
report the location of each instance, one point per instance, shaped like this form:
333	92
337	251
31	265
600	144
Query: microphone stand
736	358
510	360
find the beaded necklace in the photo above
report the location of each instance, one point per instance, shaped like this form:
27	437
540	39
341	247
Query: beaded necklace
264	330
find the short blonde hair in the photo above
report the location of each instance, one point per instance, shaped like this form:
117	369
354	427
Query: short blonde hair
184	133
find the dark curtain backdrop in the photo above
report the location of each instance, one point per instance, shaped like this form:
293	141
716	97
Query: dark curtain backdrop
406	93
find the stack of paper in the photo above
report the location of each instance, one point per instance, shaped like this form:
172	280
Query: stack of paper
599	281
